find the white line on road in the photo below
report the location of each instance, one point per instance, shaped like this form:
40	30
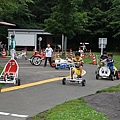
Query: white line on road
4	113
14	115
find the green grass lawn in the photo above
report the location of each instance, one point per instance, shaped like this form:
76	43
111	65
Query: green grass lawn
1	68
110	89
71	110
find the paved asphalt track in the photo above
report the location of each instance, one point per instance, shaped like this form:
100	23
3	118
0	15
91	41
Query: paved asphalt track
26	102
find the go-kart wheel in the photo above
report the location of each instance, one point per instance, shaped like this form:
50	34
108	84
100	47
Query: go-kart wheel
116	74
96	72
36	61
56	68
83	82
18	82
52	64
112	77
97	77
31	59
64	81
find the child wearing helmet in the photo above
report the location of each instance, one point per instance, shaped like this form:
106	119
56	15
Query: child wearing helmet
78	65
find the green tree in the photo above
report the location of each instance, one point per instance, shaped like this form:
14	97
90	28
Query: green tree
114	18
65	18
41	9
103	21
15	11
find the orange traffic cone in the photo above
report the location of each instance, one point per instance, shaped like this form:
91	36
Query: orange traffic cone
3	53
83	55
71	55
33	51
90	54
26	51
94	61
119	74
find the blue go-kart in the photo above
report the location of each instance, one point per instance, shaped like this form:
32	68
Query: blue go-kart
62	66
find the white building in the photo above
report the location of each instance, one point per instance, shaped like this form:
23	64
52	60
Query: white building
29	38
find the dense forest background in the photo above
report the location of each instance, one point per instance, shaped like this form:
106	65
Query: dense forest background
78	20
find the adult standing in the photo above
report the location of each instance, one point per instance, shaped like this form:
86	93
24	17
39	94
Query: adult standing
83	47
12	46
49	52
81	51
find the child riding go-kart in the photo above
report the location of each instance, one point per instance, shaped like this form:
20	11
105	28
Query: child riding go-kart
108	70
76	71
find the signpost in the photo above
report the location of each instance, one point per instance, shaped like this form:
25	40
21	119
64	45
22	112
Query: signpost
102	44
64	43
40	39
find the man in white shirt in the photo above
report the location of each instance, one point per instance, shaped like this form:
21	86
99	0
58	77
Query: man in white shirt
81	51
49	52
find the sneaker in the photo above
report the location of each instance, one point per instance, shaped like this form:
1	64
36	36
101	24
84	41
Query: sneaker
79	76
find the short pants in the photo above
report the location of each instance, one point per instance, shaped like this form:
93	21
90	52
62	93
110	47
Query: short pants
76	70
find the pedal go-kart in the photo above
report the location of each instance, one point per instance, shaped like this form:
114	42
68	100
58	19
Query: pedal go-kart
104	72
36	59
76	78
10	73
62	64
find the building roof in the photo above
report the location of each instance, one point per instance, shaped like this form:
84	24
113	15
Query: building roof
26	30
37	31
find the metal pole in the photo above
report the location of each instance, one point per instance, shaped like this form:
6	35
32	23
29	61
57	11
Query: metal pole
102	47
39	46
40	39
62	43
65	44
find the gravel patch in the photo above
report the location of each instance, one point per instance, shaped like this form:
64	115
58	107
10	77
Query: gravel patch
107	103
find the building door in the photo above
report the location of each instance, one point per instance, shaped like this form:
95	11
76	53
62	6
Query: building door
43	42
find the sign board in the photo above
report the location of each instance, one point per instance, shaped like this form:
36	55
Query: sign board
103	41
102	44
40	38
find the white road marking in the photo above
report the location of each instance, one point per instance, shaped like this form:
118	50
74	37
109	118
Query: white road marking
13	115
16	115
4	113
